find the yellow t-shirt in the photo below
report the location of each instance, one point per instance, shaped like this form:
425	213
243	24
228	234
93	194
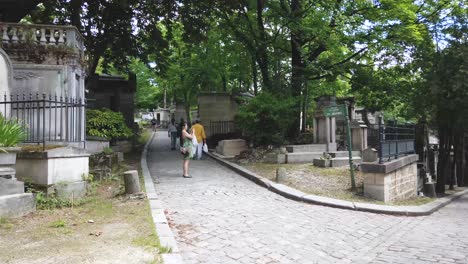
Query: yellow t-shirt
199	132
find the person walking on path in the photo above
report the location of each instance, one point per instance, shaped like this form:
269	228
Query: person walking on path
186	149
154	122
201	137
172	133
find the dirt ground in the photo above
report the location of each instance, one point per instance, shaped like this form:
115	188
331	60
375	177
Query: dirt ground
329	182
108	228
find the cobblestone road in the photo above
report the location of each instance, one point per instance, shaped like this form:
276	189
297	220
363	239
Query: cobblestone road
220	217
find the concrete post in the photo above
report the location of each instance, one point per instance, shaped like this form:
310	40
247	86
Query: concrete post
132	182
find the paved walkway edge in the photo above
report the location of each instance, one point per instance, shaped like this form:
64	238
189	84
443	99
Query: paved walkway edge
166	237
297	195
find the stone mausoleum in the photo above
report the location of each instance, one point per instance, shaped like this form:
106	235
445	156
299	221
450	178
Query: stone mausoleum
42	74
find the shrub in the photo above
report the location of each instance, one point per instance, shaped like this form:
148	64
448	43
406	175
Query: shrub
265	119
107	124
11	133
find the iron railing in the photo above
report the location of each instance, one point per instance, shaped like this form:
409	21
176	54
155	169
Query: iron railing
47	118
395	140
221	127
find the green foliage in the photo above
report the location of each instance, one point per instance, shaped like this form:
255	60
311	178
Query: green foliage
58	224
11	133
107	151
50	202
266	118
107	124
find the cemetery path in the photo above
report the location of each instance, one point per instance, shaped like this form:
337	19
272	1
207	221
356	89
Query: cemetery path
220	217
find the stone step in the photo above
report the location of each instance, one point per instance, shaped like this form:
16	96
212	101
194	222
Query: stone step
302	157
343	154
307	148
344	161
11	186
16	205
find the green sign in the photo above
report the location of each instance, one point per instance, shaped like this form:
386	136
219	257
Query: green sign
333	111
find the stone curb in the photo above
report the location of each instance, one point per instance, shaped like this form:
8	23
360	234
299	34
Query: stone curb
166	237
297	195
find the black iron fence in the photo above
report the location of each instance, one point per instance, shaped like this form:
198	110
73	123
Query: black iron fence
46	117
221	127
395	140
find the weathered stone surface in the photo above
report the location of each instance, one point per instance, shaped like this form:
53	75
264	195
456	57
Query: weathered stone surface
307	148
15	205
370	155
132	182
49	167
341	162
281	175
397	185
388	166
323	163
302	157
71	190
10	186
96	146
231	147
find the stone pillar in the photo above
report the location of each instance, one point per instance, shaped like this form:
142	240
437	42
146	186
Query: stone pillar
327	129
358	135
332	143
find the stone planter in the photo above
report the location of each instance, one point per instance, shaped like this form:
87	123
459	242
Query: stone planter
8	158
49	167
8	162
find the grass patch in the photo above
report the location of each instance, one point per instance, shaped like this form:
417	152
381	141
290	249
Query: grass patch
5	223
328	182
151	242
58	224
144	137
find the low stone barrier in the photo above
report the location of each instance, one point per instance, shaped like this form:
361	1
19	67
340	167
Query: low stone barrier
231	147
391	181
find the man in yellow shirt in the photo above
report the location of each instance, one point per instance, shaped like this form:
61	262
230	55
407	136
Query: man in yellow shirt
201	137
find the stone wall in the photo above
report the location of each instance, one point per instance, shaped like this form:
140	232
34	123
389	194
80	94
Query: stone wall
392	181
215	107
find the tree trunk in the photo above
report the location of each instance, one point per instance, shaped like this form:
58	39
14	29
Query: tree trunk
443	158
254	76
75	10
262	54
297	73
460	158
453	160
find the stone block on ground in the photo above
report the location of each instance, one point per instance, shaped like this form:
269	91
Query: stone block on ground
302	157
71	190
11	186
307	148
341	162
231	147
281	175
16	205
66	164
323	163
370	155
